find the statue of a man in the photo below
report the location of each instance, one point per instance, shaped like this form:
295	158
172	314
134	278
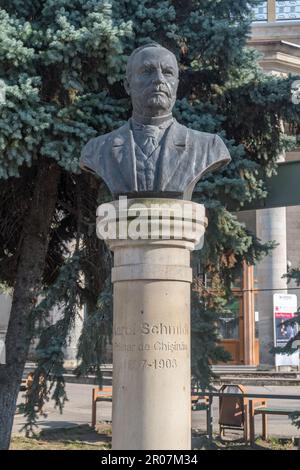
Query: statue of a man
152	153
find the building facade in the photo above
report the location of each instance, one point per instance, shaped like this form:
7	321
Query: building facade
276	35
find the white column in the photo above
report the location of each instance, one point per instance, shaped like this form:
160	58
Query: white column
151	326
71	349
271	225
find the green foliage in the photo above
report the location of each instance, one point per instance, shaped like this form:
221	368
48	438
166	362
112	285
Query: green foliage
5	289
293	275
48	379
52	340
206	309
97	332
63	64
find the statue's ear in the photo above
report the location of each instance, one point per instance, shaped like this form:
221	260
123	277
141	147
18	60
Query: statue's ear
127	86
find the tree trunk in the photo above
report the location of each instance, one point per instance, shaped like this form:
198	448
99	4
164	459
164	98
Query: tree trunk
30	269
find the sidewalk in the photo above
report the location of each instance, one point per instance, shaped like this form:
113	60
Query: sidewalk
78	411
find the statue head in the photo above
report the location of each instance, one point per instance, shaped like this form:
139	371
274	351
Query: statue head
152	80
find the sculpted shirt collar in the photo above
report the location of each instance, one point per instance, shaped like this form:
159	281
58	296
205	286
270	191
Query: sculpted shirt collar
142	132
141	122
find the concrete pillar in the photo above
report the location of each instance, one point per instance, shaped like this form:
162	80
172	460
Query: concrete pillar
151	326
70	352
293	242
271	225
5	307
271	9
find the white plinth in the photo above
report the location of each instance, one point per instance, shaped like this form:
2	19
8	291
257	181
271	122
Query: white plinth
151	330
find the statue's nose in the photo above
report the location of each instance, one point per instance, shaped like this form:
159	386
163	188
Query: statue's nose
158	78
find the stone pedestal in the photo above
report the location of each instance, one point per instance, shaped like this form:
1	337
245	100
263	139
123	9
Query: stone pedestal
151	326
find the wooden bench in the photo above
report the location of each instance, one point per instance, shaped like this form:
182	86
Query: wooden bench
253	405
202	403
264	411
99	394
199	403
26	383
105	394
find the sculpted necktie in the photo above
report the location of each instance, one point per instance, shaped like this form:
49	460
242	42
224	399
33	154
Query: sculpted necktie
149	139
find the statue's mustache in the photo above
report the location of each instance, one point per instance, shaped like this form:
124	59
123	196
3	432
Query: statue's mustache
159	88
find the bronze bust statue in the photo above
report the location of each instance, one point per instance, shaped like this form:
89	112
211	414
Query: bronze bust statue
152	154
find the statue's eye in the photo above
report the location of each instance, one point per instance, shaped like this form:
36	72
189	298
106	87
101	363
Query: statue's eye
147	70
168	72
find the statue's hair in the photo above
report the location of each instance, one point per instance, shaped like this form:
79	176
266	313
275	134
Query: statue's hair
138	50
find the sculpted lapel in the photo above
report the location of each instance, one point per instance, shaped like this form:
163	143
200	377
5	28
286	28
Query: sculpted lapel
173	152
123	155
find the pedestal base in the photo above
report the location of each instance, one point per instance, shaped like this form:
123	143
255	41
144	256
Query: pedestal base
151	339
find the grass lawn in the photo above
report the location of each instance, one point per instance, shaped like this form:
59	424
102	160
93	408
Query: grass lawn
202	443
85	438
75	438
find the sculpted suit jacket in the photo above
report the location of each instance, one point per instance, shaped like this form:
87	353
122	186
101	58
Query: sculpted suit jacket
185	156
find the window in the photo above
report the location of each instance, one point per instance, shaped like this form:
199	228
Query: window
229	325
260	12
285	10
288	10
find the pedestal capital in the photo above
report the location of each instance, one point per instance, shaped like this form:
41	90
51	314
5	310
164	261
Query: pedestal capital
155	221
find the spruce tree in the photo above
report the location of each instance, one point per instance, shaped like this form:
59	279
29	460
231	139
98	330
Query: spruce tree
62	64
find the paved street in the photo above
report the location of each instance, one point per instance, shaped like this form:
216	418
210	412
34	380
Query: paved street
78	411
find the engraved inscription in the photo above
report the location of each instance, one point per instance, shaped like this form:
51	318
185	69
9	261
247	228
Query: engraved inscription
157	346
165	341
146	328
162	346
168	363
124	347
163	329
